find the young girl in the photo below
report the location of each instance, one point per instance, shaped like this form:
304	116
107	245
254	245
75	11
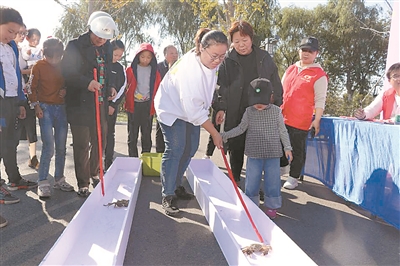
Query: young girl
47	97
143	80
182	104
265	132
113	106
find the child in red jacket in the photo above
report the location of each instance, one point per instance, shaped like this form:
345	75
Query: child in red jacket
143	80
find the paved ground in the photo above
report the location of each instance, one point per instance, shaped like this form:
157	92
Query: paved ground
328	229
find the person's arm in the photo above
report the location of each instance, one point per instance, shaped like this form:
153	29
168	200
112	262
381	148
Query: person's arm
217	139
320	91
71	68
239	129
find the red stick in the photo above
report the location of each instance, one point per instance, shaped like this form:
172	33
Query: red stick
240	197
99	138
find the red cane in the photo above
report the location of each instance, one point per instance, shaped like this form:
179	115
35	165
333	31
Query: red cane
99	138
240	197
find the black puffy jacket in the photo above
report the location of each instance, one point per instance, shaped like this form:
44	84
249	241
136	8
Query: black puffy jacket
230	81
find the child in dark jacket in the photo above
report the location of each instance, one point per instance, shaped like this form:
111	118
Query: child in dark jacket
143	80
113	106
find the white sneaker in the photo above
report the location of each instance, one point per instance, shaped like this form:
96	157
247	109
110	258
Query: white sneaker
291	183
44	189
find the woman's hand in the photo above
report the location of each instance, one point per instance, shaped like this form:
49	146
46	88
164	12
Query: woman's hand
359	114
217	139
219	117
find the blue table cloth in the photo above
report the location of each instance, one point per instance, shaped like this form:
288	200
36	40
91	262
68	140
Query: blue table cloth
359	161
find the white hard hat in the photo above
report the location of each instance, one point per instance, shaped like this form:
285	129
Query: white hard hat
96	14
103	27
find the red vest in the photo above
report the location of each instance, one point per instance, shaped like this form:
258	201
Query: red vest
388	102
298	96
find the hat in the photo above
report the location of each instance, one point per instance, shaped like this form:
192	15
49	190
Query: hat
310	43
260	91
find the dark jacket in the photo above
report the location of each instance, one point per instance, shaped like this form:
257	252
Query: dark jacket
230	81
118	71
77	68
163	68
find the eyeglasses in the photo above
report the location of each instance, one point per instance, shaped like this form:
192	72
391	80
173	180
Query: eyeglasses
23	33
214	58
305	50
395	77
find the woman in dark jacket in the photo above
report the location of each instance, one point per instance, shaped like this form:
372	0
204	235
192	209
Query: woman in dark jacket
90	50
244	63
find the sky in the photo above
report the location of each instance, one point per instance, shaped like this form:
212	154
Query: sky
46	19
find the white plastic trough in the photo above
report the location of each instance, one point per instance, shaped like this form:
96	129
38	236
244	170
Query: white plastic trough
229	223
98	235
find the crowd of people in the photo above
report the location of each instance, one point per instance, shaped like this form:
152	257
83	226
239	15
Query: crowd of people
264	117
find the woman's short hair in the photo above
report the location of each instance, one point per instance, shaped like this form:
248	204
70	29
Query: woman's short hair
243	27
392	68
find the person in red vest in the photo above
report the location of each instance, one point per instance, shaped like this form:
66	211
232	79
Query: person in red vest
387	102
305	85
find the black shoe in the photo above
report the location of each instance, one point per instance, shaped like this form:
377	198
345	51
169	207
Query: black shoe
181	193
169	205
3	222
34	163
83	192
95	181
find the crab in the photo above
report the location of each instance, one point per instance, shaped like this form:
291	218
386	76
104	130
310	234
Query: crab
118	203
262	248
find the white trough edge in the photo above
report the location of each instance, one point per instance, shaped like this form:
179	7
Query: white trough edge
231	227
98	235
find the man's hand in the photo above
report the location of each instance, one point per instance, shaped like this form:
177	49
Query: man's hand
113	94
94	85
111	110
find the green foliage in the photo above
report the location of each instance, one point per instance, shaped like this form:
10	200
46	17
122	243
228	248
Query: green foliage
353	36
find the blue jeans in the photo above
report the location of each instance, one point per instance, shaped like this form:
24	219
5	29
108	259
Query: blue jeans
272	181
181	143
54	116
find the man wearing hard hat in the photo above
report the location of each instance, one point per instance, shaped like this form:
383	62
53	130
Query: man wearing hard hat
91	50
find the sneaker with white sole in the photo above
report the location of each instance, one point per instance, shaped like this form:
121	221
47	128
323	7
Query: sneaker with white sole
291	183
83	192
44	189
63	185
3	222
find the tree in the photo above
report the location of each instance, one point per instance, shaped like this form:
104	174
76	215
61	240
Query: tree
352	54
181	28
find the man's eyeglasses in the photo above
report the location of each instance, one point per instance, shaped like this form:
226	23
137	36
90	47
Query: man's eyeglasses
214	58
22	33
395	77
